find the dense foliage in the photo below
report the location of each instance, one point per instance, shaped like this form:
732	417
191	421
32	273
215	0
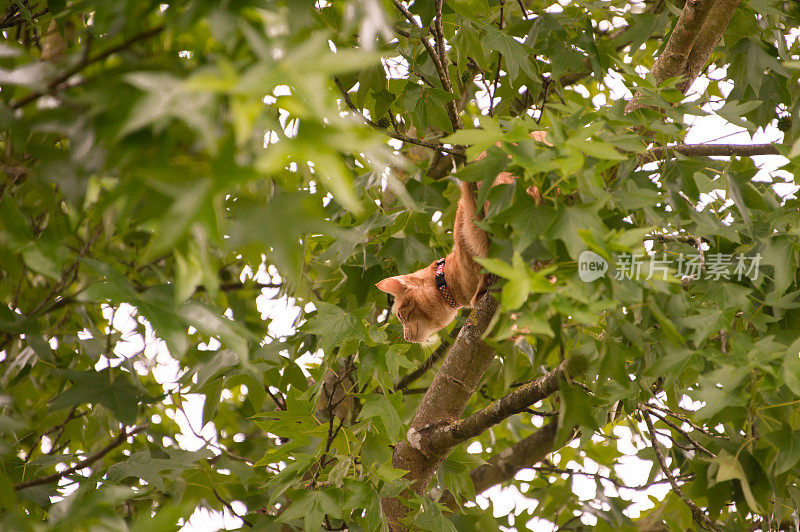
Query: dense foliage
197	199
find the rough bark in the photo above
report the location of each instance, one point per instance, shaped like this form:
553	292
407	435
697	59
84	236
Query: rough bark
691	42
444	402
675	56
435	431
717	20
438	439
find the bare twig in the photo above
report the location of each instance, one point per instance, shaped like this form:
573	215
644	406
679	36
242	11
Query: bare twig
58	428
686	420
499	63
523	9
680	431
14	19
331	405
695	241
280	402
546	82
550	469
230	507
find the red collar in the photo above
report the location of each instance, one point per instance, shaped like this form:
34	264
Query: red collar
441	284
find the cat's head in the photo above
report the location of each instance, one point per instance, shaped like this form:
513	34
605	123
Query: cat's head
418	304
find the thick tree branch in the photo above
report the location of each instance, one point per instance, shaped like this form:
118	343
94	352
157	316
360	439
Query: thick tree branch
675	56
442	438
691	42
86	462
709	150
433	433
717	20
445	400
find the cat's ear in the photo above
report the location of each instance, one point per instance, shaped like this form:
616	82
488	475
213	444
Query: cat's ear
392	285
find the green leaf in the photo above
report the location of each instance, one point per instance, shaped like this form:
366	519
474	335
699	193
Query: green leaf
332	325
569	221
312	507
166	98
515	54
576	409
516	290
597	149
727	467
110	389
788	445
431	518
791	369
378	405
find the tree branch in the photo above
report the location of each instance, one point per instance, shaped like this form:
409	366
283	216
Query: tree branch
505	464
689	47
438	61
229	506
86	61
709	150
674	58
86	462
445	400
439	439
58	428
438	146
717	20
680	431
699	515
15	19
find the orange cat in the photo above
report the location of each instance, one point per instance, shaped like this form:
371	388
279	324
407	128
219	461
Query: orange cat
428	299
